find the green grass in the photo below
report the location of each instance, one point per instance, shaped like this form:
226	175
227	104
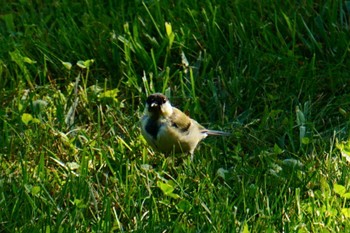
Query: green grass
74	78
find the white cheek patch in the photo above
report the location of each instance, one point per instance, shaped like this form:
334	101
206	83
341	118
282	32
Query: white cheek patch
167	109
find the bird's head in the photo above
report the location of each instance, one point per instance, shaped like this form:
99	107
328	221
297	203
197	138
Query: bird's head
158	104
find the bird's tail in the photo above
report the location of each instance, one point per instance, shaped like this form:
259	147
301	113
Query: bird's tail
217	133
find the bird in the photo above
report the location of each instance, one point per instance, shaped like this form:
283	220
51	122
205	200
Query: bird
167	129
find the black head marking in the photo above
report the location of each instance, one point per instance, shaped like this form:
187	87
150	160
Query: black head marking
154	101
156	98
152	127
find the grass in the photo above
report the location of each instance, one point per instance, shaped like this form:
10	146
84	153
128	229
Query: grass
74	78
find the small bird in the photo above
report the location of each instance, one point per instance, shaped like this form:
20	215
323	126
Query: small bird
167	129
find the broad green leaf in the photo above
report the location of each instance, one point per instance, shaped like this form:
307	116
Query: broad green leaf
184	206
305	140
73	165
20	106
81	64
339	189
28	60
277	149
245	228
221	172
346	212
146	167
165	187
85	64
79	203
168	29
35	190
109	94
89	62
26	118
292	163
35	120
67	65
173	195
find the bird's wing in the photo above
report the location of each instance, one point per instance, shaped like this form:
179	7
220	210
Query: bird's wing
180	120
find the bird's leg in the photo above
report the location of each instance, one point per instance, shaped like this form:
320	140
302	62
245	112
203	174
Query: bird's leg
191	154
